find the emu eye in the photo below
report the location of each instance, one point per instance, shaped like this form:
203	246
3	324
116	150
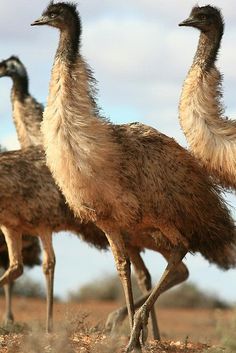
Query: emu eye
52	15
203	17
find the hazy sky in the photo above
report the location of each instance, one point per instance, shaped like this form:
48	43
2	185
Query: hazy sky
140	58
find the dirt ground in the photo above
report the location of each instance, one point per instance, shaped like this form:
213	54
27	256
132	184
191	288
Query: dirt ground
79	328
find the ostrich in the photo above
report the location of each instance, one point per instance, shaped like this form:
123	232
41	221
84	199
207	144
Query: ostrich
129	179
27	112
27	115
31	257
212	137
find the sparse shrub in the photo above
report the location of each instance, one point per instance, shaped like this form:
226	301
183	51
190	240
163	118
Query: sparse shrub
227	335
185	296
27	287
107	288
14	328
190	296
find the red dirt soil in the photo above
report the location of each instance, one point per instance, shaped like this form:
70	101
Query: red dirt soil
77	332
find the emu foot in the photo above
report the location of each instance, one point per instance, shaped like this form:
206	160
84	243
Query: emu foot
114	320
11	273
49	327
139	330
8	319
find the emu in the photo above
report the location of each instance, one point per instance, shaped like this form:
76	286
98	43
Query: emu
211	136
27	115
38	209
129	179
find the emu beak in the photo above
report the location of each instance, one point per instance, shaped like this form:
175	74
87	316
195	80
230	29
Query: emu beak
41	21
191	21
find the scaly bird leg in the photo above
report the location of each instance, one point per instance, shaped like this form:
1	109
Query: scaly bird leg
14	245
145	284
116	317
8	316
48	269
141	316
123	267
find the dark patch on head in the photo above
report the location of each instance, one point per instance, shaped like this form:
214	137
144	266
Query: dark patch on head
207	12
14	68
54	10
14	58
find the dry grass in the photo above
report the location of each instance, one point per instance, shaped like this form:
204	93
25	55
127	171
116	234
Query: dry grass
92	341
80	332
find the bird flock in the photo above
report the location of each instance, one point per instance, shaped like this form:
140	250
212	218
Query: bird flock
125	187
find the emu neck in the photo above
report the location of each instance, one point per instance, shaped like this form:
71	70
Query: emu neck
69	43
79	144
211	137
208	47
27	114
20	87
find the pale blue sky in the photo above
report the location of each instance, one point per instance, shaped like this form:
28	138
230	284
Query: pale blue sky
140	58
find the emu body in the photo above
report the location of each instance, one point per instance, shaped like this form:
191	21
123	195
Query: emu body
211	136
39	209
129	179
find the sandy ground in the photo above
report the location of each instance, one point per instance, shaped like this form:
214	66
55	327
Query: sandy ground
78	328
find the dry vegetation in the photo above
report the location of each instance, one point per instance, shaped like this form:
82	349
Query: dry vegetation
79	329
79	324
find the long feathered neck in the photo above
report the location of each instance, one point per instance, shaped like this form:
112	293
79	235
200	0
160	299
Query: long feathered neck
27	113
208	48
68	47
20	88
79	144
211	137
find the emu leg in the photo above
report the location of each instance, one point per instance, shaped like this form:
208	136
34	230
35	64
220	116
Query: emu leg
14	246
141	316
123	268
116	317
145	284
49	262
8	316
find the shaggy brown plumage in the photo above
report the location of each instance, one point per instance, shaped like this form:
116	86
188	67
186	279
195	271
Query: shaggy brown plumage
129	179
211	136
39	209
27	116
